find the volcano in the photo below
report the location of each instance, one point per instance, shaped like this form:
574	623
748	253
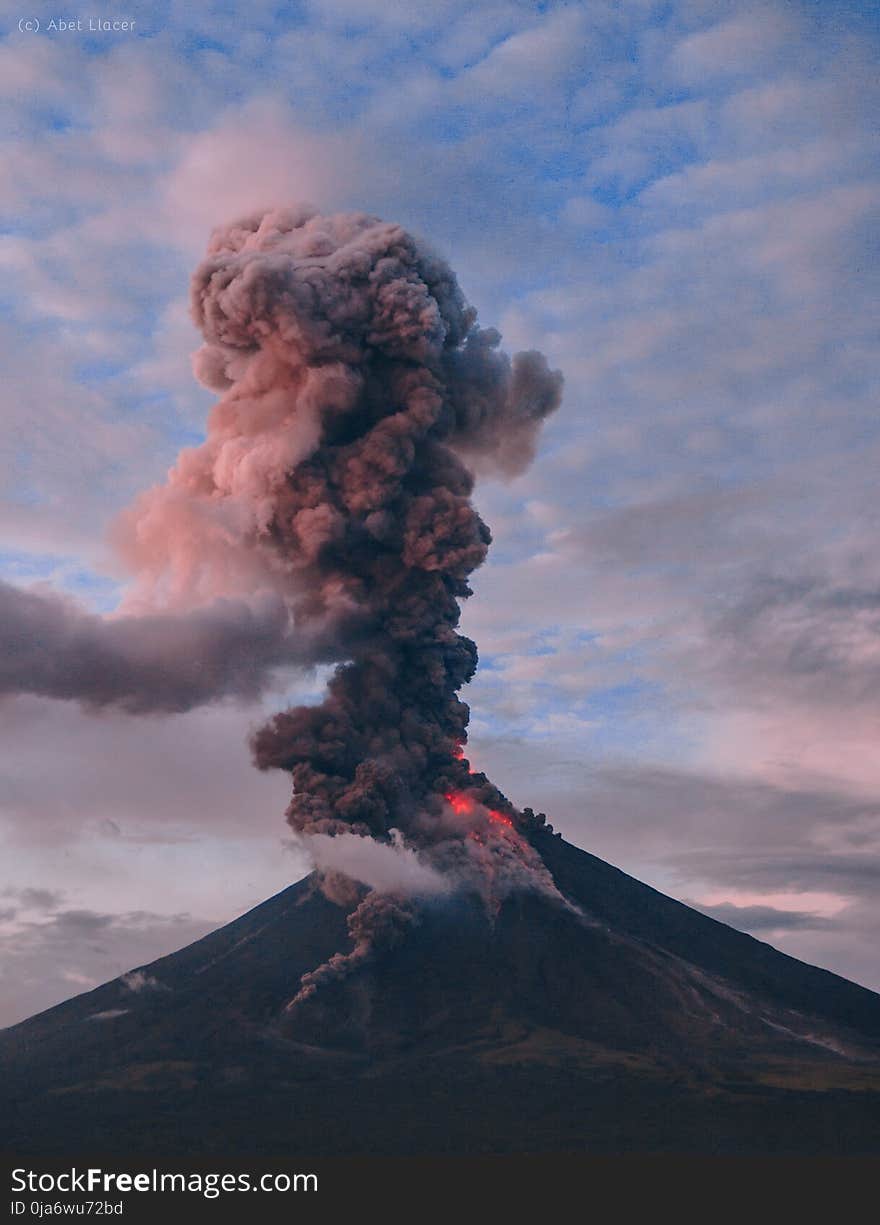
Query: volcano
611	1019
533	999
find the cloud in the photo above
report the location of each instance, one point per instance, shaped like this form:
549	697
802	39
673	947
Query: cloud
40	961
253	158
68	457
138	981
364	13
547	52
35	899
162	662
385	867
127	782
757	919
743	44
587	212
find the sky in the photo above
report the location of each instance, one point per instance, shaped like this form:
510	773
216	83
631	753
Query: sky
679	620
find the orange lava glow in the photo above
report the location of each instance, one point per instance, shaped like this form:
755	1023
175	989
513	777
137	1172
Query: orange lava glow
462	804
459	803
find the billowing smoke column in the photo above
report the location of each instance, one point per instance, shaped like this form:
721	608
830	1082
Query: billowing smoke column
328	517
357	391
359	395
368	331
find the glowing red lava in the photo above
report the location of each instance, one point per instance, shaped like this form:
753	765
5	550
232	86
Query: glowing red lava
461	804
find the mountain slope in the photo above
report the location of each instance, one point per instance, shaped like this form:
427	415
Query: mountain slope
637	1025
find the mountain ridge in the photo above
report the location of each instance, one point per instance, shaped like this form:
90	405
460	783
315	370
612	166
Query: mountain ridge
471	1035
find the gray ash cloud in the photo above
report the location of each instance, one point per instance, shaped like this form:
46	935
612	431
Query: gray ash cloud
327	517
392	393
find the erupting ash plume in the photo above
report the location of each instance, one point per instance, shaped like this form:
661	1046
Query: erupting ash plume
358	386
367	335
359	397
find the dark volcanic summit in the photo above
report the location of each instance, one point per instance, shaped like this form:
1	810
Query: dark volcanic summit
644	1026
